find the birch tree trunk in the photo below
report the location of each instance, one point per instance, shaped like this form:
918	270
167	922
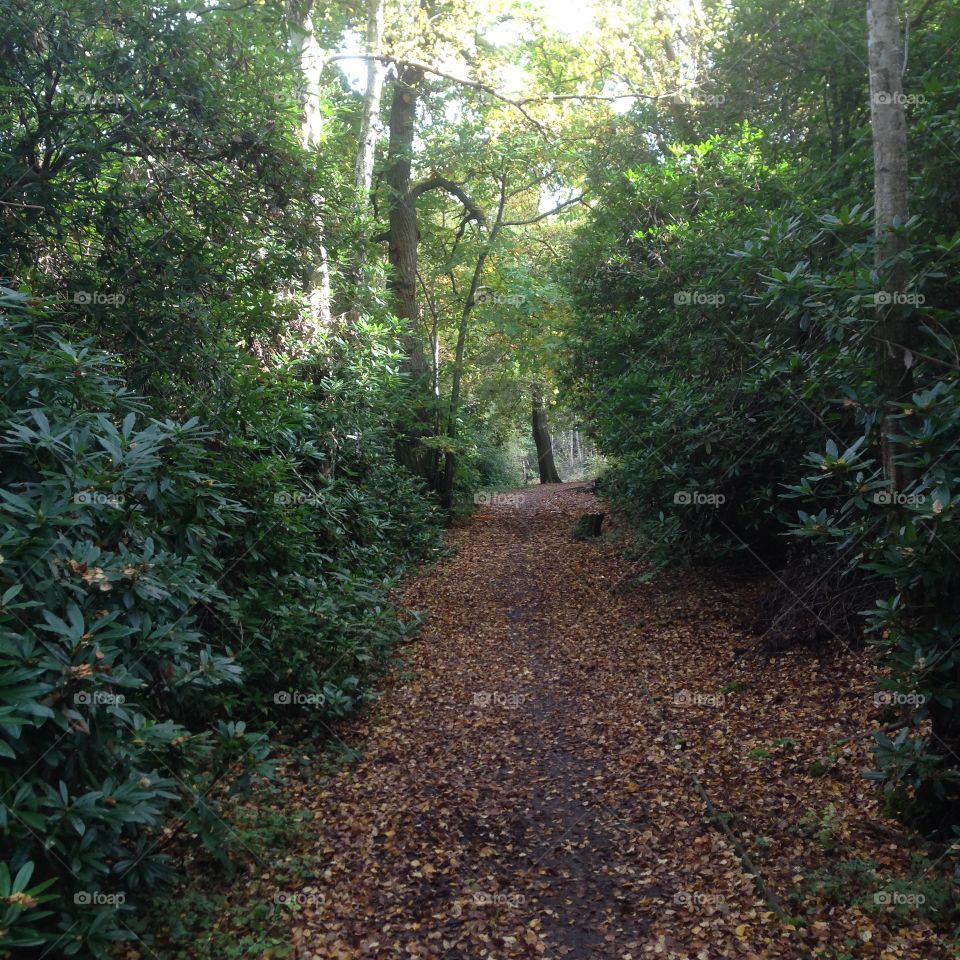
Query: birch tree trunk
369	124
889	127
369	133
310	61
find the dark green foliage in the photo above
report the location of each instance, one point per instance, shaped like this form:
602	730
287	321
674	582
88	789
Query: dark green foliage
700	403
191	564
175	198
111	539
308	452
748	423
162	585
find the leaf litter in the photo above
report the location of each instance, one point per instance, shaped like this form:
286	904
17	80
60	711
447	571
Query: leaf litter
574	763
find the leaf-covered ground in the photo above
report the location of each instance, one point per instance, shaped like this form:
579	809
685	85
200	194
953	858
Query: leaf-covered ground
573	765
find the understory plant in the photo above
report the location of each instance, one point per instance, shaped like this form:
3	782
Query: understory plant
171	592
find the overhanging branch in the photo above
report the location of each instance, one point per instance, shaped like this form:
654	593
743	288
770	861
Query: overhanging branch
454	189
545	214
435	71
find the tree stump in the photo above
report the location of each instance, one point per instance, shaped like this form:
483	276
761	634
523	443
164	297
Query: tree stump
588	526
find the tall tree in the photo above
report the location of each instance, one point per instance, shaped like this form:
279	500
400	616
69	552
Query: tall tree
450	461
402	238
541	437
310	62
890	212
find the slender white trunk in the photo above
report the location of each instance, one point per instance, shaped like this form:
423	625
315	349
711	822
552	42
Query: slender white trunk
889	127
311	61
370	122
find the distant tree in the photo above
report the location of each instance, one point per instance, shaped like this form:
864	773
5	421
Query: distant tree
541	437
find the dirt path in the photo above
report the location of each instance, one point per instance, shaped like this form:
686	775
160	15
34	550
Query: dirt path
518	796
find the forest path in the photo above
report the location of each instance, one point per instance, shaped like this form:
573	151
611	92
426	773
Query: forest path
517	796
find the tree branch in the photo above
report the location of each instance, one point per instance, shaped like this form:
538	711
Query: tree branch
454	189
917	19
462	81
543	216
916	353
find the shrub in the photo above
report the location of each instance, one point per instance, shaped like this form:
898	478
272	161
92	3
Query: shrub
752	421
109	535
160	584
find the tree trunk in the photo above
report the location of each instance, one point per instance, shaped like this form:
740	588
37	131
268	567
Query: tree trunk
363	171
310	61
889	126
369	135
403	237
541	437
403	208
450	459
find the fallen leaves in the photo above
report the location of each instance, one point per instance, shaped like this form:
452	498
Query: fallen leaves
520	796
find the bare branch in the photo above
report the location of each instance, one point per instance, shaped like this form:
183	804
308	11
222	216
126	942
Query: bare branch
548	213
462	81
